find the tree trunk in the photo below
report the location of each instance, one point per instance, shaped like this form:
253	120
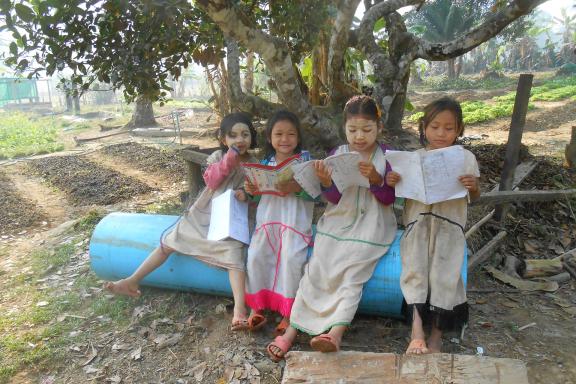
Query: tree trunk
249	74
143	115
451	68
69	102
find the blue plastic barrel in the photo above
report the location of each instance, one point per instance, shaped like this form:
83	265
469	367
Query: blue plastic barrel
121	242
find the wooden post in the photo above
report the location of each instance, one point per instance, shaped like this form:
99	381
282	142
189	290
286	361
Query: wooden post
514	138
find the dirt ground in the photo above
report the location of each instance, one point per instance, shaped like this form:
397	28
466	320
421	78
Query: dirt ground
194	343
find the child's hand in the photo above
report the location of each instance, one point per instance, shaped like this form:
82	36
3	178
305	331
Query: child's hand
290	186
368	170
470	182
323	173
392	178
240	195
249	187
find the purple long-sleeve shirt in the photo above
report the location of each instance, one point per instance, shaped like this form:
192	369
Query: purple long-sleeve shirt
383	193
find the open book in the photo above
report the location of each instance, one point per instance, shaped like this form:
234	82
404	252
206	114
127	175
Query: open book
229	218
345	173
265	177
431	176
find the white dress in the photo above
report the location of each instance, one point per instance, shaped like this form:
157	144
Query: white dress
189	235
432	250
278	250
351	237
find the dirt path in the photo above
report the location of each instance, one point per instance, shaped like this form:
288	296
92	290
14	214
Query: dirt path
153	180
49	200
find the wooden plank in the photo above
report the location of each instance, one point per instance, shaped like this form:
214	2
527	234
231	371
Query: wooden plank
522	171
477	226
500	197
486	251
514	137
194	156
387	368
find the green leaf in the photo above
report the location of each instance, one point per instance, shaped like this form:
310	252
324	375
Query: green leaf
24	12
408	105
14	48
380	24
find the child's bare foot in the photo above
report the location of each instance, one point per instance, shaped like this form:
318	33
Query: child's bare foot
123	287
278	348
239	320
325	343
417	347
434	345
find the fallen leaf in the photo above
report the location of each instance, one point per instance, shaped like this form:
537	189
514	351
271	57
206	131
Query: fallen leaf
136	354
510	304
167	340
90	369
92	356
531	246
140	311
198	371
524	285
114	379
220	308
120	347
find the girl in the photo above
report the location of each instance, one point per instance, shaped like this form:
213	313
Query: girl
189	235
432	246
356	229
279	246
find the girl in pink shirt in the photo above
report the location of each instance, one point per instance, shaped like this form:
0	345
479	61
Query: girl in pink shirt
189	235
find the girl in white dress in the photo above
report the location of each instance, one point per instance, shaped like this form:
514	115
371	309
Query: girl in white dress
432	246
189	235
279	245
355	231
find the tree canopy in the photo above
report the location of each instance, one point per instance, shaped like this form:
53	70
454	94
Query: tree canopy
138	45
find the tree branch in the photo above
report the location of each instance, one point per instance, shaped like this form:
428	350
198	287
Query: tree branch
245	102
490	28
339	43
276	55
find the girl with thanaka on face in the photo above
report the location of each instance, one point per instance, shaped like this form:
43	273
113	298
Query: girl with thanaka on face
432	246
189	235
356	229
279	246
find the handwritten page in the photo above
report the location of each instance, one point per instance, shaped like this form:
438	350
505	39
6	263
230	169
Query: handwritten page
229	218
346	171
431	176
305	175
265	177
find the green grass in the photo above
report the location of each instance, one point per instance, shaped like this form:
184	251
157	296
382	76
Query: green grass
552	90
479	111
20	135
443	83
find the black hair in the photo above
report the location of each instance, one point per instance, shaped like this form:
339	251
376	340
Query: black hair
433	109
229	121
281	115
360	105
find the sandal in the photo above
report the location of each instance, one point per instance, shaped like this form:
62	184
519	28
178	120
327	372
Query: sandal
325	343
281	327
256	321
417	345
280	343
239	325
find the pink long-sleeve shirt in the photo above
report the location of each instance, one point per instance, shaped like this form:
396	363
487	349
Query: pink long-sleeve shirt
217	172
